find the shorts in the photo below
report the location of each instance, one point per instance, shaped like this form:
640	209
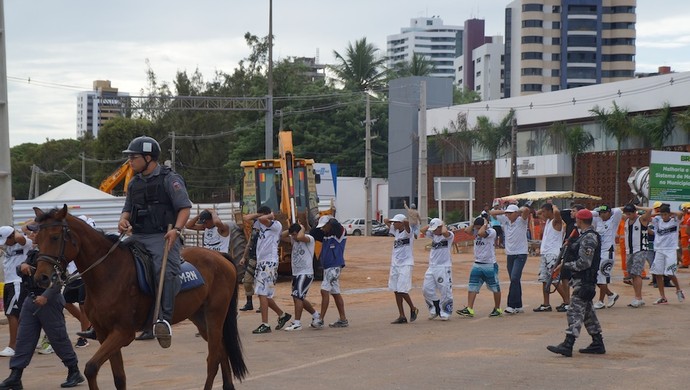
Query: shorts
635	262
546	266
665	262
331	280
484	273
75	292
300	286
13	298
605	267
265	278
400	278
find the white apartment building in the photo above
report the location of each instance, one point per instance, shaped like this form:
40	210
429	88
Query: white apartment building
96	107
488	69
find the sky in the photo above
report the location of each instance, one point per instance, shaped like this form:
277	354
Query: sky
57	48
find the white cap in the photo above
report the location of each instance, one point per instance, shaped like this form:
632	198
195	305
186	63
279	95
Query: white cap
398	218
88	220
512	208
323	221
435	224
5	231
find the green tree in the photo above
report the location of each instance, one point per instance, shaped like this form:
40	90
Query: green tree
360	68
654	129
491	137
577	141
465	96
418	65
456	140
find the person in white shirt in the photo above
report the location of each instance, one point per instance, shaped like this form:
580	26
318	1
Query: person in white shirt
216	232
666	226
438	279
606	221
302	272
17	246
550	249
402	262
485	268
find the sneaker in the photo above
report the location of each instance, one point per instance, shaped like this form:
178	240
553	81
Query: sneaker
316	323
282	320
432	313
599	305
466	312
562	308
163	333
81	343
611	300
47	350
680	295
7	352
636	303
88	334
339	324
444	316
413	314
263	328
509	310
42	342
627	281
294	326
400	320
543	307
661	301
496	312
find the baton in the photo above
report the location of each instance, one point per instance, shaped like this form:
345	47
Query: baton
161	279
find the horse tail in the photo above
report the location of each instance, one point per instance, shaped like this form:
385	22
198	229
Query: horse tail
232	342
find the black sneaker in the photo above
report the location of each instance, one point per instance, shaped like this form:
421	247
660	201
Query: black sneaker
413	314
562	308
400	320
263	328
247	307
88	334
81	343
282	320
543	308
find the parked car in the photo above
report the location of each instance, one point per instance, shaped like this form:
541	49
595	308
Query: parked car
355	226
458	225
381	230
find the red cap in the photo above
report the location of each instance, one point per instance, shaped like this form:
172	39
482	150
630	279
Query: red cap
584	214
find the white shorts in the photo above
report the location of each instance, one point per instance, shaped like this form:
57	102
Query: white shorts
605	267
546	266
265	278
665	262
400	278
331	280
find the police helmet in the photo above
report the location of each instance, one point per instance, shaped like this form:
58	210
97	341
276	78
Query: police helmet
144	145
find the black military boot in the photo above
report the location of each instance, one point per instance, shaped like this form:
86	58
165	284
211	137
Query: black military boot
597	346
248	306
74	377
14	381
565	348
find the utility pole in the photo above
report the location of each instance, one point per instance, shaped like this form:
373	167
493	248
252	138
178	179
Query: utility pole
83	167
513	157
172	151
422	205
367	168
5	161
269	98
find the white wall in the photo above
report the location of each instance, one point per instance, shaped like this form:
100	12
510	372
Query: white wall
351	199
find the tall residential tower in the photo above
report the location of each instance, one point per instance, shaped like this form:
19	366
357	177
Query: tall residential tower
96	107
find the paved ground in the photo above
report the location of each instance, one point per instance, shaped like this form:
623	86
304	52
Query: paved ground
647	347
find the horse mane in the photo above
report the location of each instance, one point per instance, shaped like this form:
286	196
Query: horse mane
112	238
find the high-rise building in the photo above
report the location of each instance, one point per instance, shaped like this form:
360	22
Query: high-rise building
96	107
560	44
439	43
479	67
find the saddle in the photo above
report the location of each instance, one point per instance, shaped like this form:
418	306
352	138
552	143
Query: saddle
190	277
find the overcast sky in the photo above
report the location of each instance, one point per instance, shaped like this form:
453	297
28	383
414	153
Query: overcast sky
63	45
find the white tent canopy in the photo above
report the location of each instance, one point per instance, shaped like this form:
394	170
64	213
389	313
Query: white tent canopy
74	190
543	195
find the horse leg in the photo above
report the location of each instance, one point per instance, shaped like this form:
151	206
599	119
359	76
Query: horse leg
215	348
226	372
118	368
112	345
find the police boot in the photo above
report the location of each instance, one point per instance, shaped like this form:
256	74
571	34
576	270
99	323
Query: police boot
74	377
565	348
248	306
597	346
14	381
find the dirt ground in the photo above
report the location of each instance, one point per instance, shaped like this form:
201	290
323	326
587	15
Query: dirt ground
646	348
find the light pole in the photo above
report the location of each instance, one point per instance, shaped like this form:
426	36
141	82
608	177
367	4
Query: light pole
63	172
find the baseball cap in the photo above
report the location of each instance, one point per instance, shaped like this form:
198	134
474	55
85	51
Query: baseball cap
323	221
512	208
435	223
657	204
685	205
604	208
398	218
5	232
629	208
88	220
203	217
479	221
584	214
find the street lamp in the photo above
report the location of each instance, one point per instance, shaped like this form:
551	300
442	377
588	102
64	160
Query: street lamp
63	172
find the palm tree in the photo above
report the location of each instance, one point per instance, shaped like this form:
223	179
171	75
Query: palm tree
577	140
456	138
491	137
683	119
654	130
419	65
618	124
360	69
556	137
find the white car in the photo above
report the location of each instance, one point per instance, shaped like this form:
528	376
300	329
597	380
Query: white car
355	226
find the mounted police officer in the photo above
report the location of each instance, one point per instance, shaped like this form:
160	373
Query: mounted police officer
582	258
156	197
42	309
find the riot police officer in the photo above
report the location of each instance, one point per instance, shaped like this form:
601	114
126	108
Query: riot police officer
156	197
582	258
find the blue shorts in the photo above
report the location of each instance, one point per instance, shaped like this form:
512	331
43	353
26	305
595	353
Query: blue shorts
484	273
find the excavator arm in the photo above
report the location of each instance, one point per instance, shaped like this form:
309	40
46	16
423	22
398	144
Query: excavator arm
124	172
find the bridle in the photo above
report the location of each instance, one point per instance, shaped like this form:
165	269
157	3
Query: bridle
59	262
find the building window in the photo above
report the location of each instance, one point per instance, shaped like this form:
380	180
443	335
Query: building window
582	9
555	73
556	25
478	88
582	40
479	73
531	71
555	88
532	55
479	59
585	57
532	39
532	23
530	87
582	73
555	56
618	73
582	25
618	42
531	7
618	26
556	9
555	41
617	57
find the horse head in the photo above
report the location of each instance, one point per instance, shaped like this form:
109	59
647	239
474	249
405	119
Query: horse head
57	246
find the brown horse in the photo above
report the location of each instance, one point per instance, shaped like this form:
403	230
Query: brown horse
118	308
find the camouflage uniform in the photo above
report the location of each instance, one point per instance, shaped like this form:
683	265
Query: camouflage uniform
584	263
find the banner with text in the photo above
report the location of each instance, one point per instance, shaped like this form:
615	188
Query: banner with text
669	178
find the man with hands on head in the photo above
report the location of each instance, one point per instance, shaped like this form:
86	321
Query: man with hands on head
402	262
438	279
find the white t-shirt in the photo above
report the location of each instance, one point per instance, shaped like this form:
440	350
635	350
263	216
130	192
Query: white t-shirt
665	233
515	235
15	255
484	251
214	241
608	229
440	250
267	244
303	256
402	247
552	239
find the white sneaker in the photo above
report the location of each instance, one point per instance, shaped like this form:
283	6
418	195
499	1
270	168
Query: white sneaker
612	300
317	323
599	305
46	351
636	303
294	326
7	352
432	313
510	310
444	316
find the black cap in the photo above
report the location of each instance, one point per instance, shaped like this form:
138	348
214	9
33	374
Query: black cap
629	208
479	221
604	208
203	217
